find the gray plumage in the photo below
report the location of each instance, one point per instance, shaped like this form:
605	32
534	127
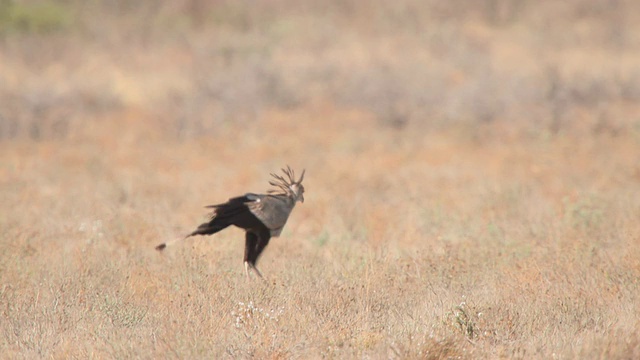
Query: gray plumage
272	210
262	216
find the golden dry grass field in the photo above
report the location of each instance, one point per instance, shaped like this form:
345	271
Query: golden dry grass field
472	185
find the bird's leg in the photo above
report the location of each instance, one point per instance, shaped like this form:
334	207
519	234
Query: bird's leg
257	271
248	266
246	269
263	240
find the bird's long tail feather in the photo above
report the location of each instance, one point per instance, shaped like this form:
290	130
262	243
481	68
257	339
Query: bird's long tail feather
169	243
208	228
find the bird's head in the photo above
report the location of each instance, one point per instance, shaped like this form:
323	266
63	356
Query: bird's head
290	186
297	189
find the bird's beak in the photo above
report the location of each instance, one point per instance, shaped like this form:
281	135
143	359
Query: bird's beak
301	198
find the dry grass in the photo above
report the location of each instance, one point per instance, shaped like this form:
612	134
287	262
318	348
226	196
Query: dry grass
488	215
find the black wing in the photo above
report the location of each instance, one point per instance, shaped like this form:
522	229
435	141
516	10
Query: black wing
234	212
238	201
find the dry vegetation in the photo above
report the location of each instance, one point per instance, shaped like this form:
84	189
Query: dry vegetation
473	178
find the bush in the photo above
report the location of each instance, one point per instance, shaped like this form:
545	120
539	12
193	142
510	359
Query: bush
40	18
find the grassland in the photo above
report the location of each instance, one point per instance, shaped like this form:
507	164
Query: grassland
473	179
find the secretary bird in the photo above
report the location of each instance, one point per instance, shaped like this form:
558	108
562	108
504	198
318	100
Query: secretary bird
262	216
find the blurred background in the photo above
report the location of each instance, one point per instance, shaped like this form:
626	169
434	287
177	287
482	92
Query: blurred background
187	69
